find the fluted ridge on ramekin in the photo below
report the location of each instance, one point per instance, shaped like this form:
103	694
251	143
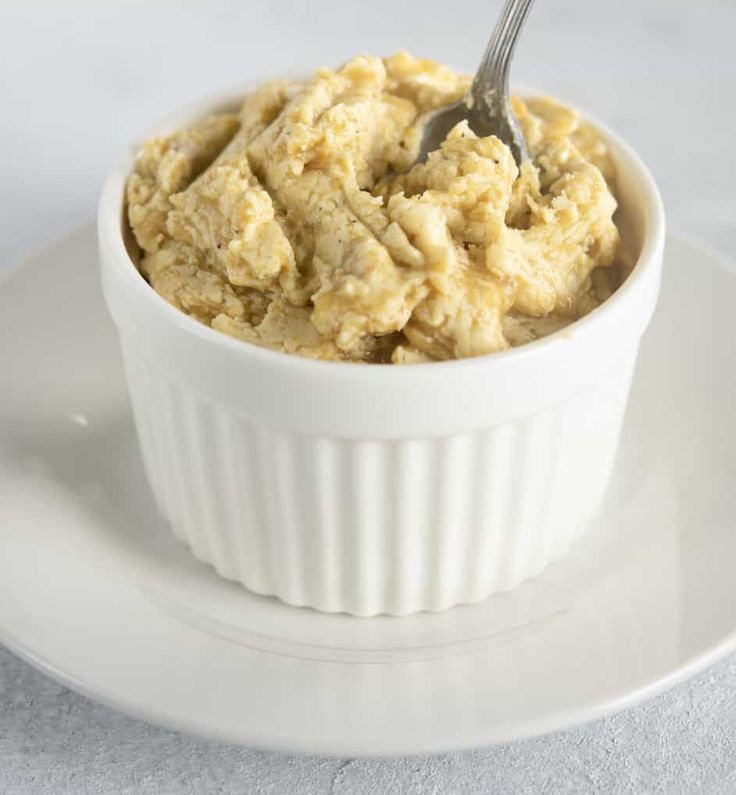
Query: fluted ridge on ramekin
379	526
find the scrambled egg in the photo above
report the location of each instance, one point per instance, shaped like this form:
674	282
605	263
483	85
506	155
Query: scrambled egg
299	223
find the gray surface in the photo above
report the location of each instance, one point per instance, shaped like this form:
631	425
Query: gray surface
87	75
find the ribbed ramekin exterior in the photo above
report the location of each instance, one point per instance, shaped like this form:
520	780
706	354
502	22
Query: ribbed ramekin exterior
370	526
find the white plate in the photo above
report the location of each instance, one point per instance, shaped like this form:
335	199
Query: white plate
95	592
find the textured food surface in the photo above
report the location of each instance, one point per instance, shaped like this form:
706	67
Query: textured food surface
299	223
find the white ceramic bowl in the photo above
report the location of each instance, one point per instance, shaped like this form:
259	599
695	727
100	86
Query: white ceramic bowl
379	489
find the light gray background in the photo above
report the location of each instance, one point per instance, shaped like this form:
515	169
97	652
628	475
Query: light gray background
79	79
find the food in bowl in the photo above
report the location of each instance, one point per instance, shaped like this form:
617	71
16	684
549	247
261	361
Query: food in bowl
299	223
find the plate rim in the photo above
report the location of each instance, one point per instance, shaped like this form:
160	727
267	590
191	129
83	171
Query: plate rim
246	738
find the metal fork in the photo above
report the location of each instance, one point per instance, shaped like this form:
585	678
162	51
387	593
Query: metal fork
486	105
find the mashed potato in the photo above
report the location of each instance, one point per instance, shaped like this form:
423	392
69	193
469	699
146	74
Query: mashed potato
298	222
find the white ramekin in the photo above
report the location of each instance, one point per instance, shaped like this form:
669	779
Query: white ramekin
376	489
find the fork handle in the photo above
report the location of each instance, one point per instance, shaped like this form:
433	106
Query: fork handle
491	82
